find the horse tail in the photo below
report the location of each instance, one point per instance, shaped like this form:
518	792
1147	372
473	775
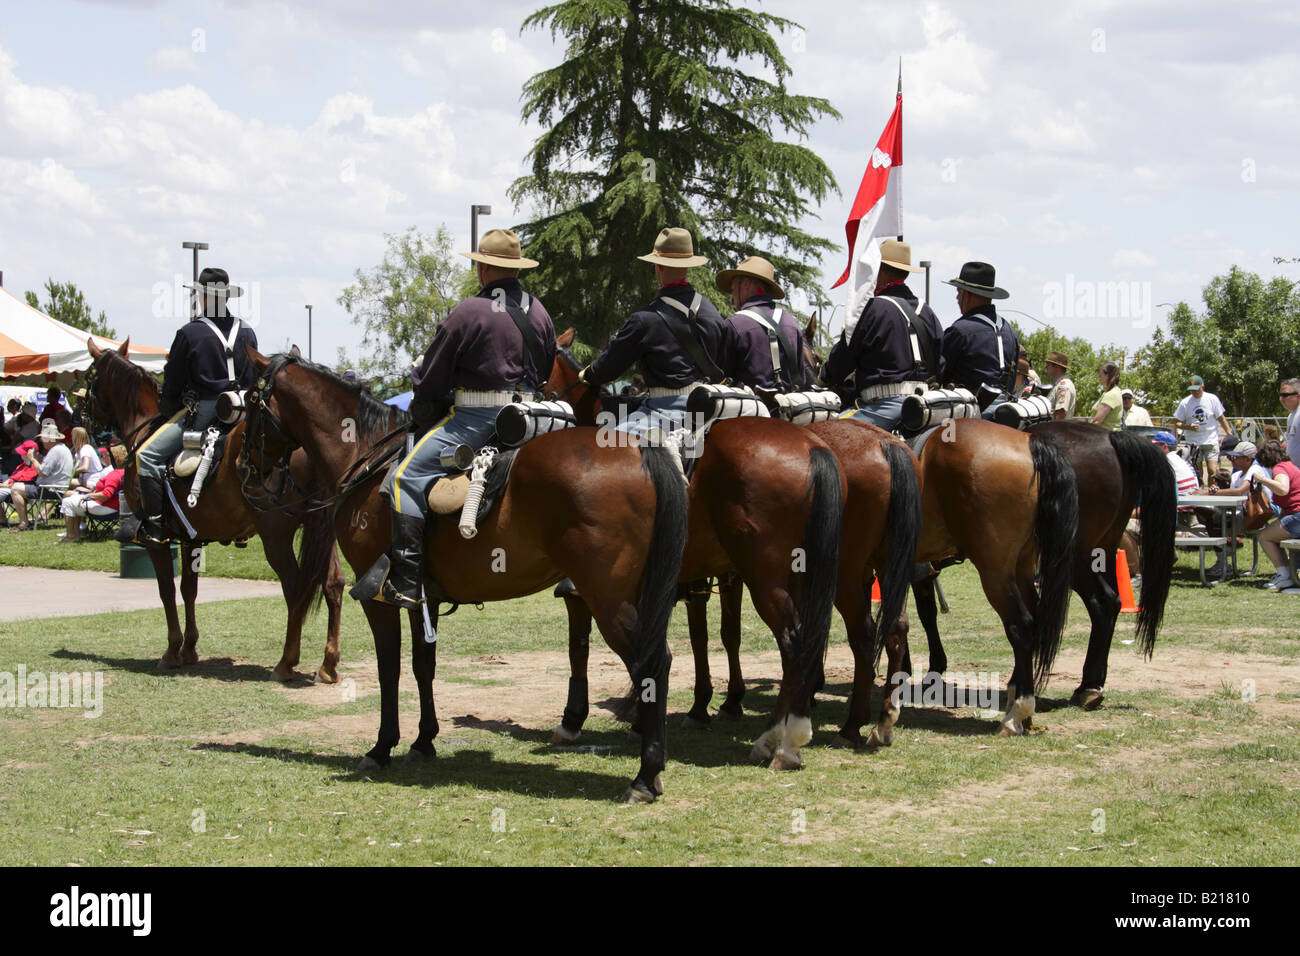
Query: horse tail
314	553
663	562
821	541
904	521
1056	525
1144	466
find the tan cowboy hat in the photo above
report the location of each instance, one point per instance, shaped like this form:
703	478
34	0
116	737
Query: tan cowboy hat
500	247
896	253
755	267
1059	358
50	431
673	248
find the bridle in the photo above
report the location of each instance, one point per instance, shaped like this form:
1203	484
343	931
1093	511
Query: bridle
129	439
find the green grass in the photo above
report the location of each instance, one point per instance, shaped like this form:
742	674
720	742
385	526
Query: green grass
41	548
1160	775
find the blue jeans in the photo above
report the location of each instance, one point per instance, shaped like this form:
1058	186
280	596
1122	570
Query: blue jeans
154	455
987	414
886	413
407	486
1291	524
668	414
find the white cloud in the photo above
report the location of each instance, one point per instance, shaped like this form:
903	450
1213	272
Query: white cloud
176	58
1131	259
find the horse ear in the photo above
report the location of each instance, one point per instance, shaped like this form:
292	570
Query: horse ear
260	361
296	352
565	338
95	350
810	330
124	347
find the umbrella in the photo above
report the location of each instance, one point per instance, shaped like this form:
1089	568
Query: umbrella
402	401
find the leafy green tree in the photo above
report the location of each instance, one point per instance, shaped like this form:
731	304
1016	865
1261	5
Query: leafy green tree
399	302
1085	359
65	302
664	113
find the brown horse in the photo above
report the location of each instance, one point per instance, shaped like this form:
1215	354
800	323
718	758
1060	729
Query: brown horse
613	519
747	519
123	397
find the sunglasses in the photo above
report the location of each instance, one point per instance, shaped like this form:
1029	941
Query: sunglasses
1287	394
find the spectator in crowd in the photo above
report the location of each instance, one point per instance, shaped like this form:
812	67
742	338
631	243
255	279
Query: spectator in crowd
55	412
1184	477
1064	395
1285	487
1133	415
1289	394
54	472
103	500
1245	470
23	426
1201	415
25	472
87	467
1109	407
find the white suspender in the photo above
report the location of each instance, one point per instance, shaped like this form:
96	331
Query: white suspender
229	344
997	334
911	330
688	312
773	328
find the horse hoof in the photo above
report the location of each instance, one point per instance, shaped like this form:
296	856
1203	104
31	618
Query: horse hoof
637	794
659	784
843	743
729	713
166	663
368	763
786	760
326	677
1088	698
563	735
880	738
761	753
1009	730
189	658
284	676
416	755
694	723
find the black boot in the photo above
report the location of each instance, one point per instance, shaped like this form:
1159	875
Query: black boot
404	585
152	495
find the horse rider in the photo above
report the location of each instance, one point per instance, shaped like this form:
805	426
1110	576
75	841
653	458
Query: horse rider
892	349
206	358
492	349
980	348
675	341
762	344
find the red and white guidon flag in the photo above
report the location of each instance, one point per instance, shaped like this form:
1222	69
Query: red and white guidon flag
877	211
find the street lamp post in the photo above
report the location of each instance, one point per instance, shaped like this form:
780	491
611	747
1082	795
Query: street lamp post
925	264
195	247
474	213
309	333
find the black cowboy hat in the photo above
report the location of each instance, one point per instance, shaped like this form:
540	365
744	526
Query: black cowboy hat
217	282
978	278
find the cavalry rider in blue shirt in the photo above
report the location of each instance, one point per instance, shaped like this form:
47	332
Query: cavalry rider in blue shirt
206	358
762	344
493	348
980	348
892	349
675	340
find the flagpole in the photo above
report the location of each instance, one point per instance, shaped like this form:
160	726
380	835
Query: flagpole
900	168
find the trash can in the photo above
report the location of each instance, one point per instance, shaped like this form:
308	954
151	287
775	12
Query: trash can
134	561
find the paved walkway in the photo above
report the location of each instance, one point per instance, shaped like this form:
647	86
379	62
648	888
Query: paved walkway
41	592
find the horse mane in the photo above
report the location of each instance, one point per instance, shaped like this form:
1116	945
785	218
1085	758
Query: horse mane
124	379
374	418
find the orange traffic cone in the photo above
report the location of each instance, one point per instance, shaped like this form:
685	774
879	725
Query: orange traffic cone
875	591
1127	604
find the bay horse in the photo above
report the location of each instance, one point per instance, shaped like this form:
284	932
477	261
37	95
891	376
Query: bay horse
1117	471
121	396
611	518
880	510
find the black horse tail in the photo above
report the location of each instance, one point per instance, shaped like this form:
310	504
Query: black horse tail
663	562
1056	526
904	519
315	551
1144	466
821	542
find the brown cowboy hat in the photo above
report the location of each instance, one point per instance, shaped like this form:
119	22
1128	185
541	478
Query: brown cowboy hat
673	248
755	267
500	247
1059	358
896	253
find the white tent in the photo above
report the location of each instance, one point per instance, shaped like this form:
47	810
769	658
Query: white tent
37	348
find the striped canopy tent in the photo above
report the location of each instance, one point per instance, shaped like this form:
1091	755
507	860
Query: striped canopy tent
37	348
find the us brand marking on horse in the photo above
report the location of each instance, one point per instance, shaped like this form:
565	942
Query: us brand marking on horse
199	820
72	909
360	519
499	560
56	690
1248	690
977	689
498	820
1098	820
798	821
349	434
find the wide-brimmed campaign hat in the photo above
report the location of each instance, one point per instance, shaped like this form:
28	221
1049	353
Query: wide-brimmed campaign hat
1059	358
216	282
673	248
755	267
896	253
978	278
500	247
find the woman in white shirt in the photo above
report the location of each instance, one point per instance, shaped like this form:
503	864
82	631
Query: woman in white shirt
88	468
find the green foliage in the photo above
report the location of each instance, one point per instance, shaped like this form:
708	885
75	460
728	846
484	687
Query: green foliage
398	304
650	122
1085	360
65	302
1244	344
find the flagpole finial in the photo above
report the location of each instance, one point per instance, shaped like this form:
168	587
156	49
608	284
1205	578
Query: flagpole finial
900	76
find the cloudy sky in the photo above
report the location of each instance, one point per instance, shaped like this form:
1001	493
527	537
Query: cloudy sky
1105	157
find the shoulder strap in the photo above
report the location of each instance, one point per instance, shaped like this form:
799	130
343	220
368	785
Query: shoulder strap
923	343
228	344
534	350
781	357
678	319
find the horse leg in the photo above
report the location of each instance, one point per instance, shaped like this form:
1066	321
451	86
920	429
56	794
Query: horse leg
575	708
162	568
279	554
855	609
334	584
1003	593
386	626
791	728
424	659
190	558
927	612
1101	597
697	617
896	674
731	592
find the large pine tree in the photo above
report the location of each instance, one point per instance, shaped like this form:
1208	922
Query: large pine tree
664	113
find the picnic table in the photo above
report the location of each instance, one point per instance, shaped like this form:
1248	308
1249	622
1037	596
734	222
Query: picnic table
1227	507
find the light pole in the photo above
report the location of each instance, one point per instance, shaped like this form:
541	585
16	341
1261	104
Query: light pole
309	333
474	213
197	300
925	264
